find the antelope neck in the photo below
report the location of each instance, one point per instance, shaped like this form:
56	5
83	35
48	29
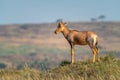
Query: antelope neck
65	31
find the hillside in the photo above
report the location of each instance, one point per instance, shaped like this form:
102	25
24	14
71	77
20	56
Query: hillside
36	44
107	69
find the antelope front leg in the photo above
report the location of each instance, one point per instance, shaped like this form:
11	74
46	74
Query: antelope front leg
72	54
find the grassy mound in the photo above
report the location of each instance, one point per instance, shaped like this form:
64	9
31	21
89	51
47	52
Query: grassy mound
107	69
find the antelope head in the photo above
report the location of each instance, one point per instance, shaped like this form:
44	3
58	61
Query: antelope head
60	27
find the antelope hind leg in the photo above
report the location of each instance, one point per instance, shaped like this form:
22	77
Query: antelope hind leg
97	52
94	55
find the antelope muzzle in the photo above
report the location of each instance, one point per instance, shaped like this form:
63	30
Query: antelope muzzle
56	32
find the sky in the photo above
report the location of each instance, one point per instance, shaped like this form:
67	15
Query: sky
42	11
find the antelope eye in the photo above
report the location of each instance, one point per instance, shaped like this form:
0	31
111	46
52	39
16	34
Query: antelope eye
59	26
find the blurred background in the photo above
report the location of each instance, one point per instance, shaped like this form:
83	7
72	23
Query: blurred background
27	30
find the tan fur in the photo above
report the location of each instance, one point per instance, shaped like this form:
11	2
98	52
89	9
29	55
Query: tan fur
75	37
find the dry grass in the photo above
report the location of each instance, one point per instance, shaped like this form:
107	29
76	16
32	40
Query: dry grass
107	69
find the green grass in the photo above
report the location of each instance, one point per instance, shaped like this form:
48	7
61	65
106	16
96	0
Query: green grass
19	54
107	69
7	48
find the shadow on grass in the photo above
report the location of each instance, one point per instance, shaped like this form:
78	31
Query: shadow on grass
63	63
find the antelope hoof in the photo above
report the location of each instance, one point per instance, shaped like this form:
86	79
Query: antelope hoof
93	61
98	59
